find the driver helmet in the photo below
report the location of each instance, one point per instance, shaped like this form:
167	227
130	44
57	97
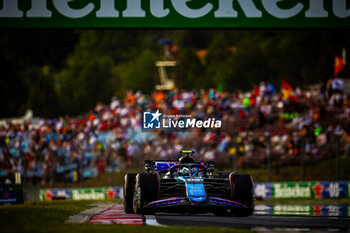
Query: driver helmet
194	171
185	171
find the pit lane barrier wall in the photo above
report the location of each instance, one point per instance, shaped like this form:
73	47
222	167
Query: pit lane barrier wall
263	191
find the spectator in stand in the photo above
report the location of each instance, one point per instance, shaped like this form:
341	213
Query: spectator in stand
68	149
337	92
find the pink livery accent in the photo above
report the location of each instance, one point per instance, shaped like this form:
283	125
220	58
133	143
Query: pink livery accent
235	202
164	200
230	180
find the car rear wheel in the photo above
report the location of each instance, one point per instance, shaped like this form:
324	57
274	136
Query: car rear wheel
146	191
243	193
128	193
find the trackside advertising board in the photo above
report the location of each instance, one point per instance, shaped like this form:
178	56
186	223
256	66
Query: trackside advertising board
264	191
302	190
326	210
11	194
102	193
174	13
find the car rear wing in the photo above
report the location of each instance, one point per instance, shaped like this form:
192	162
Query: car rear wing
162	166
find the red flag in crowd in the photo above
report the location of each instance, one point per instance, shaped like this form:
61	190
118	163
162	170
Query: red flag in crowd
287	92
339	65
286	85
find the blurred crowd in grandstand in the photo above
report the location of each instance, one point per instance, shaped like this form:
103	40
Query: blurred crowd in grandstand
288	123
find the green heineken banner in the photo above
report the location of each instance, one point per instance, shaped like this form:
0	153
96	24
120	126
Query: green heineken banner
302	190
174	13
102	193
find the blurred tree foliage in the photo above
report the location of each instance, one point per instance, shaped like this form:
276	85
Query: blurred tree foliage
56	72
191	70
23	55
136	74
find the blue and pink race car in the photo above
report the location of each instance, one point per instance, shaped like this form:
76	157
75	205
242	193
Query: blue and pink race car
188	186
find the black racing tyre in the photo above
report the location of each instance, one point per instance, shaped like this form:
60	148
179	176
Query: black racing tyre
146	191
128	193
221	213
243	192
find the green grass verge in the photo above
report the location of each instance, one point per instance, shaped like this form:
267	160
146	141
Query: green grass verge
50	217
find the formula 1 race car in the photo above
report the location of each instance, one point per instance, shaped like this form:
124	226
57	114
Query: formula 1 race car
188	186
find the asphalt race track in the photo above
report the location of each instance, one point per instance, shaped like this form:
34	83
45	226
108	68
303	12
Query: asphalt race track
327	217
288	217
257	222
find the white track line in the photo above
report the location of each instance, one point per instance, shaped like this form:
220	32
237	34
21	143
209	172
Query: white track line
151	220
